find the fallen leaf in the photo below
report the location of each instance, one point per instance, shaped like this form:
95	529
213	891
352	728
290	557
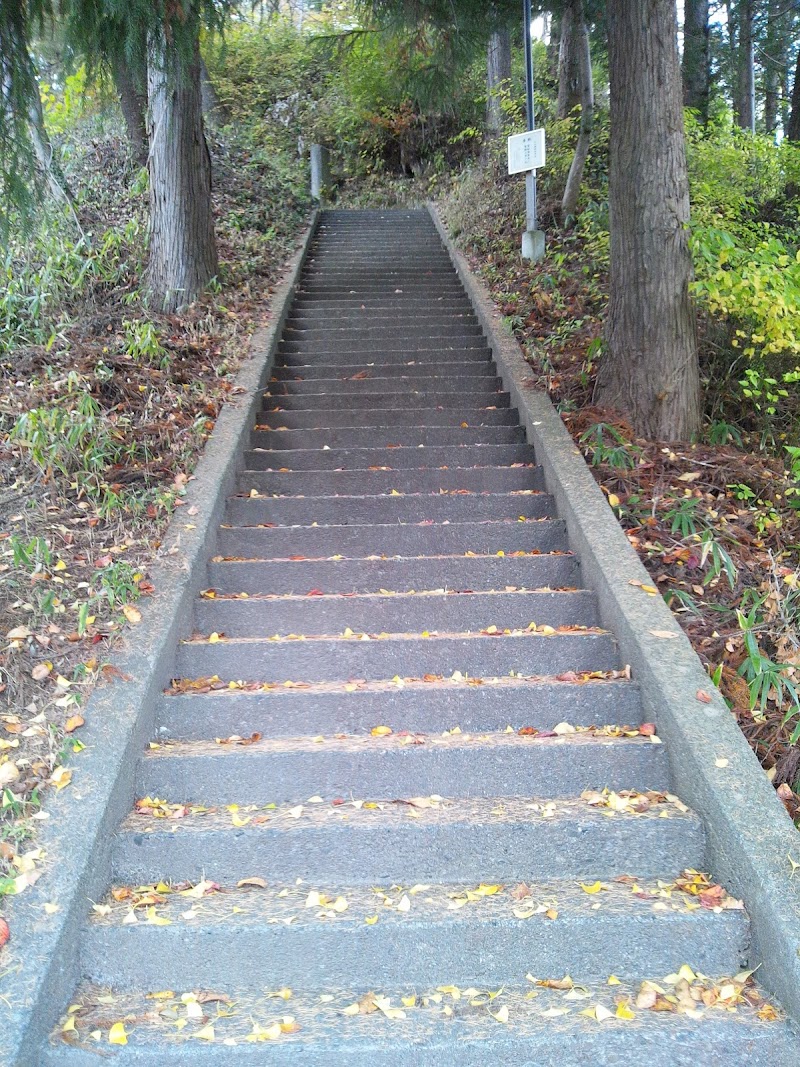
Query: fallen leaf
132	614
703	696
259	883
667	635
117	1035
73	723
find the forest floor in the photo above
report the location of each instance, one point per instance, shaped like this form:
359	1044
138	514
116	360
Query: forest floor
104	411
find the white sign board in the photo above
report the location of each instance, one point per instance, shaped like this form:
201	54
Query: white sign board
526	151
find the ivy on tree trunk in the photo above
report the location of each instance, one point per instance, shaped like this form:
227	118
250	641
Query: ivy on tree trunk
650	371
183	250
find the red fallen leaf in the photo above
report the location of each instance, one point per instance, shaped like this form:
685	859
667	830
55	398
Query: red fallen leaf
431	677
146	588
521	891
359	377
5	933
109	671
298	557
712	897
527	731
338	801
703	696
315	592
647	729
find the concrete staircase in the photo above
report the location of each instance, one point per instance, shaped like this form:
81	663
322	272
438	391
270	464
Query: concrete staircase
401	788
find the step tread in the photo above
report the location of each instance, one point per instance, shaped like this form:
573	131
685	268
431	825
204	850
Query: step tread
458	905
257	747
158	817
525	1023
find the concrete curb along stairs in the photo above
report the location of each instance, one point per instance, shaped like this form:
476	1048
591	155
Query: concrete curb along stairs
374	801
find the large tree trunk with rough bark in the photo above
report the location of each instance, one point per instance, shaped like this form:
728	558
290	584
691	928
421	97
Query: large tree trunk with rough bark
695	67
569	64
774	61
793	126
650	371
498	73
572	189
746	97
132	92
183	250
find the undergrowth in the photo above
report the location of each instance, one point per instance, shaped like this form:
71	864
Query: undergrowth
105	406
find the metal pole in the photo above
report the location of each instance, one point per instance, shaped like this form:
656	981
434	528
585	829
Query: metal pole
530	179
528	62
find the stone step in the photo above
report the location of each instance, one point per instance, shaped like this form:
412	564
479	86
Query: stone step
382	285
437	354
351	437
361	345
379	331
382	417
411	507
483	941
400	574
547	1030
475	705
410	386
410	303
506	839
404	457
400	613
393	539
290	770
393	395
369	482
359	317
328	657
369	368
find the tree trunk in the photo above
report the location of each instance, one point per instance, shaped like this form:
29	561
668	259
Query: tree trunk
569	64
774	64
573	187
132	93
732	19
695	67
183	250
793	127
498	73
746	113
651	371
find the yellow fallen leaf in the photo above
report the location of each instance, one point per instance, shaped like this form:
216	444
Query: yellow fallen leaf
613	500
351	1009
117	1035
623	1011
61	777
132	614
371	920
51	909
613	980
69	1025
381	731
213	638
156	920
206	1034
501	1014
595	887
